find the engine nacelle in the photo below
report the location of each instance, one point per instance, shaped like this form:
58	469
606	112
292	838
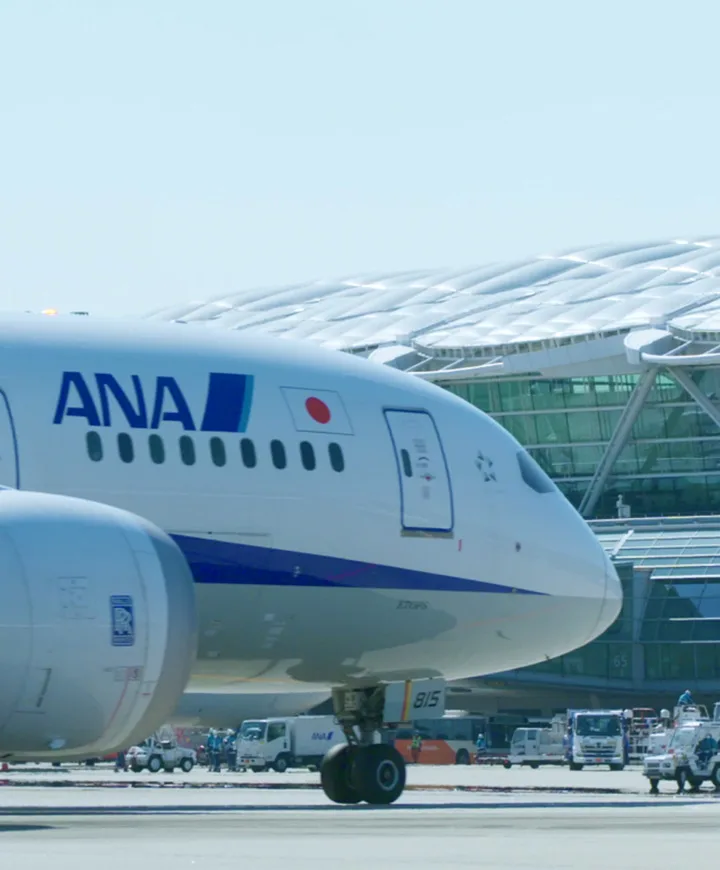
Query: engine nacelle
97	627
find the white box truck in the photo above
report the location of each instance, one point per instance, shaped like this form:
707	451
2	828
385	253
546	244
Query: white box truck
532	747
297	741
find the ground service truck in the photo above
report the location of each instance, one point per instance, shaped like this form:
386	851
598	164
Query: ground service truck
298	741
598	737
531	747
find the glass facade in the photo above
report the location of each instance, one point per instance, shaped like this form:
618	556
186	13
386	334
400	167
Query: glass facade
669	466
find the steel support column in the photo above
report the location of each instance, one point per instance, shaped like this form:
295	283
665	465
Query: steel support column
681	377
617	441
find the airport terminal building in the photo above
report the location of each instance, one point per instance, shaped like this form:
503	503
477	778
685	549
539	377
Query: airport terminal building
604	362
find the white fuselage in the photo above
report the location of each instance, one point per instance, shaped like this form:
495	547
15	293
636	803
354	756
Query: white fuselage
345	523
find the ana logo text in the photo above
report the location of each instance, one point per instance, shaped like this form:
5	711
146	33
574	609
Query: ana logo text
322	735
148	403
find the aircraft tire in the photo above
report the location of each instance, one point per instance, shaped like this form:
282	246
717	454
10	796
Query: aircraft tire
335	775
378	773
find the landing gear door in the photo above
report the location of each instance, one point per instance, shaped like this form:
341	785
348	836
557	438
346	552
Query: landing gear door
9	474
426	503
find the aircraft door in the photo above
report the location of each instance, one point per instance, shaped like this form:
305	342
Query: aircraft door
426	502
8	446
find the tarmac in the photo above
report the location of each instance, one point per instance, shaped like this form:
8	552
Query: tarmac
73	818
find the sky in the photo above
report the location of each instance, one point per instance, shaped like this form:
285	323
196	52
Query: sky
159	151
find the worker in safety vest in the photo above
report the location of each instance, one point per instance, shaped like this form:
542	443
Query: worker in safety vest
416	747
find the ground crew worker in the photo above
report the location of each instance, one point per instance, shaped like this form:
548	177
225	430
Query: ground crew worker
416	747
120	761
214	746
706	748
686	699
231	750
479	747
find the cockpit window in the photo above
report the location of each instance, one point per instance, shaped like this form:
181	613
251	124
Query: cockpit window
533	475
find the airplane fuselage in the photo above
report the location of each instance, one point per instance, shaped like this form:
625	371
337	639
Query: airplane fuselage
345	524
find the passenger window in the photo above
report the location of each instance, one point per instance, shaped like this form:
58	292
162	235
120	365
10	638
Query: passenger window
533	475
187	450
337	460
248	454
217	451
277	451
307	455
125	447
94	446
157	449
406	464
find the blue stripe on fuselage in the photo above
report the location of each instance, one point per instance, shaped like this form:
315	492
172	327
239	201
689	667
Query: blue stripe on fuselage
214	561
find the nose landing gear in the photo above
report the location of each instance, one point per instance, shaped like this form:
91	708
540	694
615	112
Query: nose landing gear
374	774
363	769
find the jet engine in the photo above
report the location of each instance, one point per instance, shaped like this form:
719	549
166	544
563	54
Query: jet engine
97	627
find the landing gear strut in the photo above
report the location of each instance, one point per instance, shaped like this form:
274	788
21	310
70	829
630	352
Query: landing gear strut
363	769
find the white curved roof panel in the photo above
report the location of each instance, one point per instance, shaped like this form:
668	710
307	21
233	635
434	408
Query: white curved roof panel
491	311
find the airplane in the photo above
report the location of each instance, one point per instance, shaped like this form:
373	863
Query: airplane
229	709
191	509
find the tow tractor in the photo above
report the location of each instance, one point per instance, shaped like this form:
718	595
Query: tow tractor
660	736
158	752
687	761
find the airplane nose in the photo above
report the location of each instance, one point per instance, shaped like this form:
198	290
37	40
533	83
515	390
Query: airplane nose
613	599
600	583
584	591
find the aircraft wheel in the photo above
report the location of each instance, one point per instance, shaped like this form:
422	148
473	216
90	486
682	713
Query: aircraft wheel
335	775
378	773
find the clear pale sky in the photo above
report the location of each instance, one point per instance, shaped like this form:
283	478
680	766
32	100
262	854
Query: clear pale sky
155	151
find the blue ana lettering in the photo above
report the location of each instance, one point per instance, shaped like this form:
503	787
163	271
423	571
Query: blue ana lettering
103	401
135	415
86	408
180	413
76	400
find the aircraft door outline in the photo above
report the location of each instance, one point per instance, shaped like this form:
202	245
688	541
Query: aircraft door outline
426	497
9	460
